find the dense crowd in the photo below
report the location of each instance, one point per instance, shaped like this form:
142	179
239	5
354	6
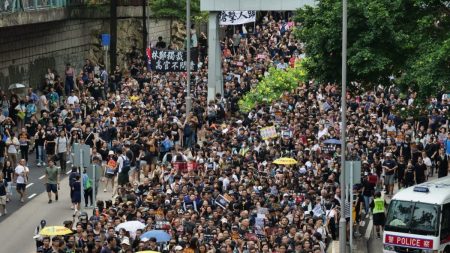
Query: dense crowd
208	178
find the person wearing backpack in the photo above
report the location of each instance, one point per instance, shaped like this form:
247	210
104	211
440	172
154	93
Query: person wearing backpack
123	167
87	189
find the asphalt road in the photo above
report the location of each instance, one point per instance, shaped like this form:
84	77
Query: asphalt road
35	186
18	226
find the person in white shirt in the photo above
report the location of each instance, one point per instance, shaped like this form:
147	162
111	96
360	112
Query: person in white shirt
43	103
62	144
12	144
72	99
21	176
427	162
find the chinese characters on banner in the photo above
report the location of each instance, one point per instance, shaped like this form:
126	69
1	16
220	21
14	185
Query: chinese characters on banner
169	61
237	17
268	132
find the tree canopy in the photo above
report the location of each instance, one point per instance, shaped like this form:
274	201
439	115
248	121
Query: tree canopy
174	9
402	41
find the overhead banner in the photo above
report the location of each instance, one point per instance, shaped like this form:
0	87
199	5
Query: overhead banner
169	61
237	17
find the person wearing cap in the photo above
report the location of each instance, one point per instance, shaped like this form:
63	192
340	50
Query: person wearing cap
125	245
110	170
389	167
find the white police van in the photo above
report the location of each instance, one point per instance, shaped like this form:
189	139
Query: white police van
418	219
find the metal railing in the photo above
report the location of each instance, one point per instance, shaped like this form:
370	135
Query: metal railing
10	6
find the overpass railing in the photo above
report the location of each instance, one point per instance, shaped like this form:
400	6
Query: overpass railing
11	6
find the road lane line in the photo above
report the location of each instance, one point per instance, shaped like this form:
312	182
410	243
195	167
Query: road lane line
369	229
68	172
30	184
32	196
42	177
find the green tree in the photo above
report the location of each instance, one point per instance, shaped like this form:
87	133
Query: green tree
176	10
404	39
271	88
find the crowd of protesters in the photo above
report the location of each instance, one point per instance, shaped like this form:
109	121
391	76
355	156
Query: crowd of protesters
208	178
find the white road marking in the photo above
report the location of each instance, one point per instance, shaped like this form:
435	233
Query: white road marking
30	184
42	177
369	229
32	196
68	172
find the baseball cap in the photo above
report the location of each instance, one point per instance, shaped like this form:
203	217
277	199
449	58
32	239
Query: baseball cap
125	241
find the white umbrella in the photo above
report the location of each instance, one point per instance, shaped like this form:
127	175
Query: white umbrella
16	86
131	226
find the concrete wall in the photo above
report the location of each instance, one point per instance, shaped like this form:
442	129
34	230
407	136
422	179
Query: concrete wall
33	17
27	51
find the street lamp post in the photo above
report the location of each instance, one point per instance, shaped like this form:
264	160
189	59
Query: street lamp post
342	221
188	58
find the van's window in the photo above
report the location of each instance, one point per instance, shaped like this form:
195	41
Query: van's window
413	217
445	224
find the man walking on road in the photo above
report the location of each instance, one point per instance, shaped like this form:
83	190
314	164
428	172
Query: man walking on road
21	176
52	180
389	167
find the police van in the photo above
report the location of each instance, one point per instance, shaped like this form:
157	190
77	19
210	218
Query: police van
418	219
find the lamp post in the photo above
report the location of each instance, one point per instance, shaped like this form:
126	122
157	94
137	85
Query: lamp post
188	58
343	183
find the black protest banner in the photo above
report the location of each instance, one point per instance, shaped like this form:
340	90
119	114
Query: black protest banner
170	61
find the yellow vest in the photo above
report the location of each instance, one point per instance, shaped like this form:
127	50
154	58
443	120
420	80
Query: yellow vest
379	205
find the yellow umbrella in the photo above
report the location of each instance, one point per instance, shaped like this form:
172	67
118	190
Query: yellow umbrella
55	230
285	161
148	251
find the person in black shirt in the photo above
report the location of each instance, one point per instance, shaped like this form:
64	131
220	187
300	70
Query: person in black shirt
401	167
50	144
160	44
409	175
8	176
442	163
32	127
367	191
420	170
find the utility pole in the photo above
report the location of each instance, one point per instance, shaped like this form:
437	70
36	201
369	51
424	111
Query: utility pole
113	31
343	183
188	58
144	27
